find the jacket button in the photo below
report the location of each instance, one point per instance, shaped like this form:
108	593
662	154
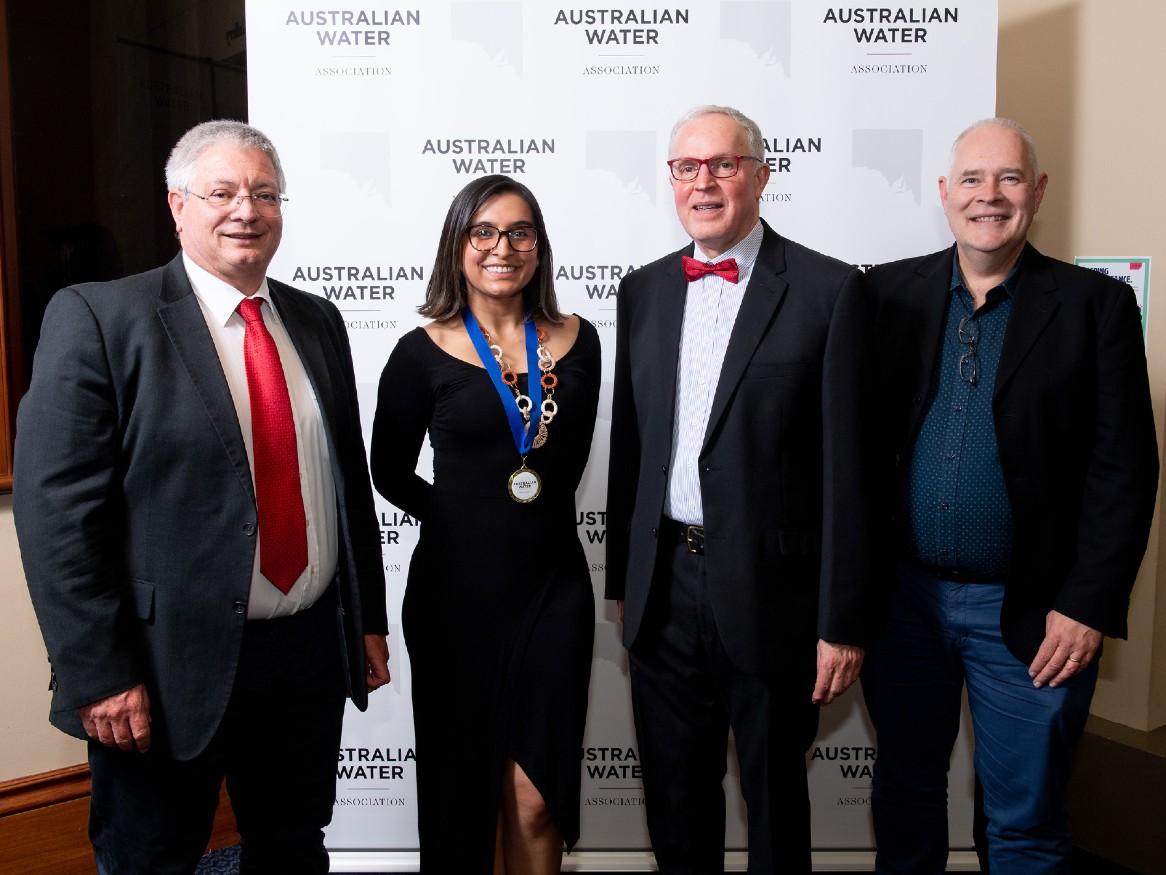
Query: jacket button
917	399
664	469
653	533
240	606
248	528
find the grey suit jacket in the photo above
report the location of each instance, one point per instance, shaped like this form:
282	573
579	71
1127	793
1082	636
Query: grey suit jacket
134	503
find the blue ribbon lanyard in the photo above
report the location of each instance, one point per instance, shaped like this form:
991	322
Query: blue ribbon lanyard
523	432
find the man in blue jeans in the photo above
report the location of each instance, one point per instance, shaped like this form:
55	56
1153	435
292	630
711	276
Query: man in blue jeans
1017	451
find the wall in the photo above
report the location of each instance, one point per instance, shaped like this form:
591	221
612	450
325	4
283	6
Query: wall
1082	76
28	744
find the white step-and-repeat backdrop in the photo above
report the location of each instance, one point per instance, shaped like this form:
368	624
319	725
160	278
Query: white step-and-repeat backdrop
382	113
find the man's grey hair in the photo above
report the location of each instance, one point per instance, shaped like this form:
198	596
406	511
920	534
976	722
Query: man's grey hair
752	131
1025	136
180	167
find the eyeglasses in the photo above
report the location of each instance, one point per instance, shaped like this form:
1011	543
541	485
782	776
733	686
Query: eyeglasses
484	238
720	166
266	203
969	333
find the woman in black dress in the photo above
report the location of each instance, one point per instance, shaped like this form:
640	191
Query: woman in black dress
498	612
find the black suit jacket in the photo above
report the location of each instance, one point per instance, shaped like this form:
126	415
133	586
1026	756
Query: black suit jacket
780	470
134	503
1073	423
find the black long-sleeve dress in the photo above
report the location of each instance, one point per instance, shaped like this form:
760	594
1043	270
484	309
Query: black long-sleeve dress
498	613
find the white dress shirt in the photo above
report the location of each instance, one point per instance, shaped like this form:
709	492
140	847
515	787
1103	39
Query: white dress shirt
219	302
710	310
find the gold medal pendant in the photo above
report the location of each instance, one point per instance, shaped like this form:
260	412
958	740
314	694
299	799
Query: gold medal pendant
524	485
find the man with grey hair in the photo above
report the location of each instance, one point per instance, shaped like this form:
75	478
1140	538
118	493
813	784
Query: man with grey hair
737	526
197	530
1016	445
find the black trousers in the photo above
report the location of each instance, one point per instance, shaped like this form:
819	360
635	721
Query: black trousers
277	748
686	695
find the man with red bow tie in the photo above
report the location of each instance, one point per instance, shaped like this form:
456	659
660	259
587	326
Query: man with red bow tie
737	524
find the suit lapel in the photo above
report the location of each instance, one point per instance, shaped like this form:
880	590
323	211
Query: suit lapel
185	325
933	290
763	295
1033	305
305	337
670	320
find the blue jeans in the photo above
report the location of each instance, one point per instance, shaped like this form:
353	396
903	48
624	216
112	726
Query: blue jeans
939	636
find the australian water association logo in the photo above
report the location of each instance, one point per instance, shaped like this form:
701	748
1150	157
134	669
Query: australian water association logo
373	777
596	285
619	40
353	27
621	27
592	524
363	291
600	282
356	764
615	776
784	155
855	770
336	33
888	36
392	522
477	156
780	152
890	25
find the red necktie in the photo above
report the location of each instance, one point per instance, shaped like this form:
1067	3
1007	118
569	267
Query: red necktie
283	538
694	269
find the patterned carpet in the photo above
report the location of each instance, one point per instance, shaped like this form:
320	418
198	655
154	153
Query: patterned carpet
222	862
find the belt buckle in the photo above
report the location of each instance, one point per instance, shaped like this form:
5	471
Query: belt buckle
694	539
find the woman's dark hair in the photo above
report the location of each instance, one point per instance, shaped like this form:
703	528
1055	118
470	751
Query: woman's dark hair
446	294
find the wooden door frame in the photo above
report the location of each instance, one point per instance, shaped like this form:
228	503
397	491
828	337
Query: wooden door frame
11	354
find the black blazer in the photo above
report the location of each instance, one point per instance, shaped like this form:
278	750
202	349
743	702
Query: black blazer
1073	422
781	479
134	505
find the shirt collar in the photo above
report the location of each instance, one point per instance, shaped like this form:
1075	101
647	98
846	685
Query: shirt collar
744	253
219	298
957	275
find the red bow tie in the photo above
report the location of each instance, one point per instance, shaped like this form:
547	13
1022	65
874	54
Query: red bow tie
694	269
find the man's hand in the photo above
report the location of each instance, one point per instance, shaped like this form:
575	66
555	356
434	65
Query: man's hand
1068	647
376	654
121	720
838	666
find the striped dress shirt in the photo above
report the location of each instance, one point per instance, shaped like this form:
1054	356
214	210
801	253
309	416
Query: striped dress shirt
710	310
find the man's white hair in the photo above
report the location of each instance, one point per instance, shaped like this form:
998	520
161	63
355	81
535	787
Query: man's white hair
1025	136
180	167
752	131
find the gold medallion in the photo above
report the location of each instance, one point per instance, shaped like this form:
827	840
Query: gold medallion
524	485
